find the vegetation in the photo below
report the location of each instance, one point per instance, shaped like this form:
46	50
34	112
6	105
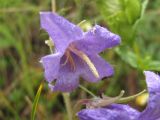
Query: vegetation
22	46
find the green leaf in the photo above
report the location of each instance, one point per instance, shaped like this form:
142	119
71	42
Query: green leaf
120	16
128	56
35	103
154	65
132	10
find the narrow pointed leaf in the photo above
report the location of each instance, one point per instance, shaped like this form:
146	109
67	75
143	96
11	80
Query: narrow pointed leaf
35	103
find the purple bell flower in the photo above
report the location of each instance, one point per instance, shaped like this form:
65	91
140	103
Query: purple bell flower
76	53
125	112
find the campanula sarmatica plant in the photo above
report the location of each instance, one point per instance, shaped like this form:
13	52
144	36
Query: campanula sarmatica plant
75	52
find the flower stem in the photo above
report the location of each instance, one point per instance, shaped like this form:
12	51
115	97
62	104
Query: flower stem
127	99
89	92
81	23
66	97
53	5
51	46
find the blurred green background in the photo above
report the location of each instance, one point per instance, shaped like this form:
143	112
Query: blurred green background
22	45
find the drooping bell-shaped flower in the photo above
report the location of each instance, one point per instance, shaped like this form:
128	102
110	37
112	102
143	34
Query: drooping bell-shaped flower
76	52
125	112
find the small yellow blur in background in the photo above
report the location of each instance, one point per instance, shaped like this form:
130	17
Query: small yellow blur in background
142	99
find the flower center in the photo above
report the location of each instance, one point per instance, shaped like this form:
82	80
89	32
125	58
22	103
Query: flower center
69	59
83	56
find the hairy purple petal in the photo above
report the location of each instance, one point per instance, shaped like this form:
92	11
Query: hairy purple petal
60	30
66	83
113	112
103	68
51	64
68	79
153	82
152	111
97	40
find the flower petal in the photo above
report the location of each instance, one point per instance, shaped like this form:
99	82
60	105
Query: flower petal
51	64
103	68
66	83
152	111
113	112
153	82
60	30
68	79
97	40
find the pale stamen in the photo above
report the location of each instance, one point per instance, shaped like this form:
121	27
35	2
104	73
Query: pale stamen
69	59
84	57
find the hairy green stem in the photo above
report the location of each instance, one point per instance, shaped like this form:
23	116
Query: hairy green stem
81	23
53	5
89	92
66	97
50	45
127	99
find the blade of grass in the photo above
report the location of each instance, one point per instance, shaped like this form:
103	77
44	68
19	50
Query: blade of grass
35	103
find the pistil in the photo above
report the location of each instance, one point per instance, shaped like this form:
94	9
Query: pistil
84	57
